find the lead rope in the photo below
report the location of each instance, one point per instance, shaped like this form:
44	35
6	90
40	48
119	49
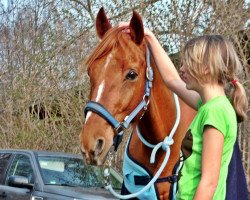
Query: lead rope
167	142
106	173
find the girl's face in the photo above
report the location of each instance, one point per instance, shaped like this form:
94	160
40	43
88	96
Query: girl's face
191	82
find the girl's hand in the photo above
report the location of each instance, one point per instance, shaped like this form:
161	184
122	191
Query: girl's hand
123	24
147	33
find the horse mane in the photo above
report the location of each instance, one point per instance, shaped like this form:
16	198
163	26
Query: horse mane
110	40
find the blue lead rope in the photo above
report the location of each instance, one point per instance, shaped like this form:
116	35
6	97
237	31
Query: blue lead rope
167	142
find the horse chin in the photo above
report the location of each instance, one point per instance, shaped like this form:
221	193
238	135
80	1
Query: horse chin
95	162
92	161
102	158
99	160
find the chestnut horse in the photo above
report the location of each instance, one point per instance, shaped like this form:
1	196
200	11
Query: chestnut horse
117	71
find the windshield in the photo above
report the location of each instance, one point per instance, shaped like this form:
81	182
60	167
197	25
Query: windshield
69	172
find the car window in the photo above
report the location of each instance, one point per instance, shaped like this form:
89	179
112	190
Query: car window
4	160
21	166
69	171
66	171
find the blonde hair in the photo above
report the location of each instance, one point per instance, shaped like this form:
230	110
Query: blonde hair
215	54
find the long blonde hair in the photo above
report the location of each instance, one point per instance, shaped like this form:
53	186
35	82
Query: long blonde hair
215	53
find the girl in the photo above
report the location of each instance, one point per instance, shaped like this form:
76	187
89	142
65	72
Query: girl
210	64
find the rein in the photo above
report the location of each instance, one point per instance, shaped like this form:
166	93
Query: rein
119	131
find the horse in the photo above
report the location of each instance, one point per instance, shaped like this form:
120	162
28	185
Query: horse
118	73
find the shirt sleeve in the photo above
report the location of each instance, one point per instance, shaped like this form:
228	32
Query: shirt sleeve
217	118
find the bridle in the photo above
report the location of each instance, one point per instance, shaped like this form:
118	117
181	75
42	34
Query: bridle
119	127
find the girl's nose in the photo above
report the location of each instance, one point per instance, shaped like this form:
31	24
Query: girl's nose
182	69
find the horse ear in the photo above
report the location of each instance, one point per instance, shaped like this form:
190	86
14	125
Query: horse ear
102	23
136	28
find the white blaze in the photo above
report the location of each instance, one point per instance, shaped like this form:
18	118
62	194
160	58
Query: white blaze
100	87
100	91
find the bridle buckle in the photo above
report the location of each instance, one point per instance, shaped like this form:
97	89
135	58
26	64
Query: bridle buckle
120	128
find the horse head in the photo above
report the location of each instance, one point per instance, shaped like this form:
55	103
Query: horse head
117	71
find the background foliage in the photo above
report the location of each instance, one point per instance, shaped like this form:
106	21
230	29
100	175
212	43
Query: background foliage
44	42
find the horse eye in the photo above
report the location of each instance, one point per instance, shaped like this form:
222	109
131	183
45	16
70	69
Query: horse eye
132	75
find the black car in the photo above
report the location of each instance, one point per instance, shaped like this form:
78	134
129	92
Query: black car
43	175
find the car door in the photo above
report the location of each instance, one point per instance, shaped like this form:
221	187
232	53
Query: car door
5	159
20	166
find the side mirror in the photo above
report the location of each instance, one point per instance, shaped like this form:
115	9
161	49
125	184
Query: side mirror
19	181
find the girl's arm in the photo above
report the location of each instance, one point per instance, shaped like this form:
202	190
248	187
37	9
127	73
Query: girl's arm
169	73
211	161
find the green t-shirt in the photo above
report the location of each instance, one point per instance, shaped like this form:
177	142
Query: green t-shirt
219	113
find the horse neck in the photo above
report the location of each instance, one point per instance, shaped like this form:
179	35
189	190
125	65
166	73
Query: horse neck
160	116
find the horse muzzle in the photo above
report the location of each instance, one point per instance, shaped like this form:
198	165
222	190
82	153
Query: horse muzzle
92	157
95	144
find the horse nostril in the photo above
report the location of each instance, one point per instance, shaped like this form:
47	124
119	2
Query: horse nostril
99	146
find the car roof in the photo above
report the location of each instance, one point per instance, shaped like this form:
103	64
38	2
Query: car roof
42	153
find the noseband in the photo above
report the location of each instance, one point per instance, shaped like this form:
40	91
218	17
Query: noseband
119	127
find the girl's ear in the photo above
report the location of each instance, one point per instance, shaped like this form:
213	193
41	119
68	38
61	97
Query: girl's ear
136	28
206	70
102	23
